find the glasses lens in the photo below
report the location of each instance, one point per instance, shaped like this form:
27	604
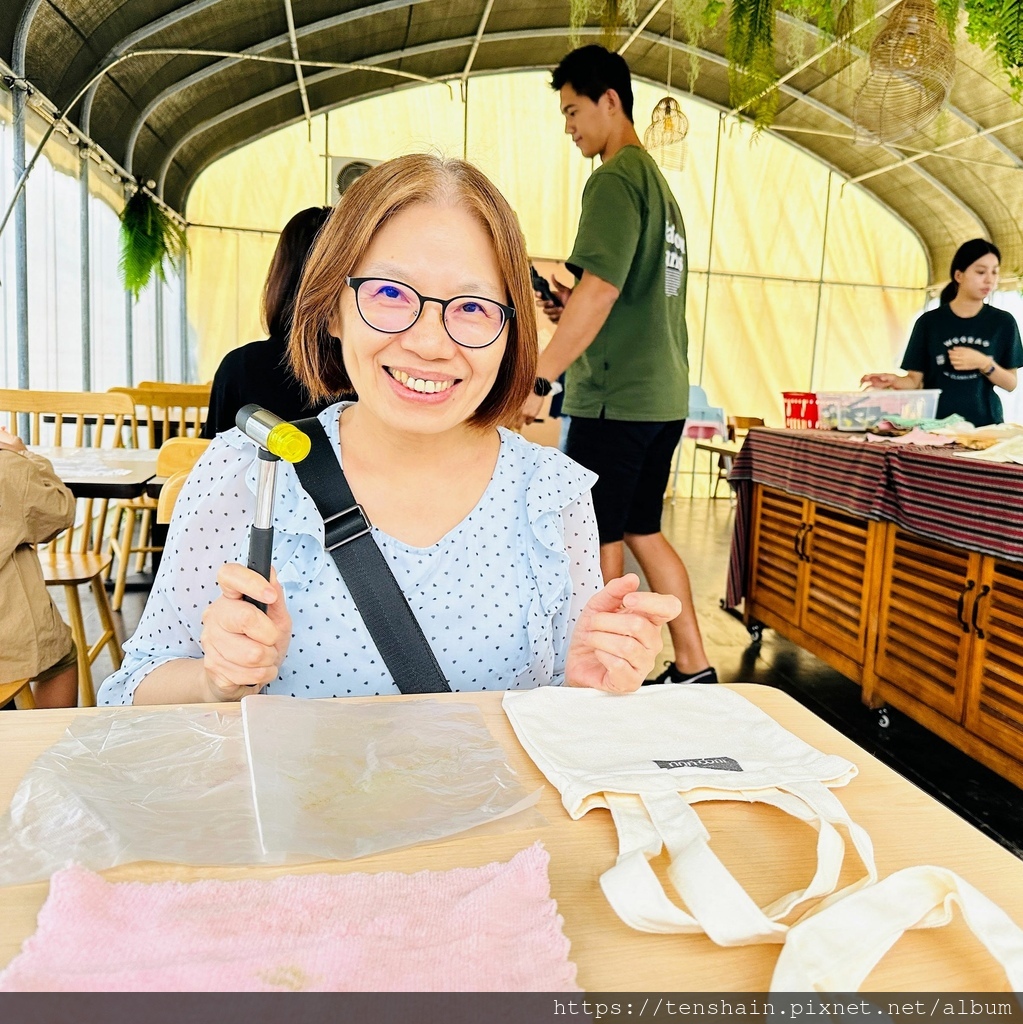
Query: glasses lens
388	305
473	322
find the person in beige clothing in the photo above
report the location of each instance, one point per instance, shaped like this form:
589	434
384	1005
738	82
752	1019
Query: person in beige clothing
35	643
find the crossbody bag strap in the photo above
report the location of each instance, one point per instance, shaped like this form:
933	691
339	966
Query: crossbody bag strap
349	540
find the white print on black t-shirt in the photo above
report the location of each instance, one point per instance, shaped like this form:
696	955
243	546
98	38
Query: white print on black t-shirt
963	339
674	259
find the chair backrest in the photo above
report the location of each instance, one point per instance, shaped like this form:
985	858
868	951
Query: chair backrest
168	495
179	455
697	397
739	426
168	410
79	419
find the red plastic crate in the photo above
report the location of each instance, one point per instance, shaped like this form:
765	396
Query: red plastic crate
800	409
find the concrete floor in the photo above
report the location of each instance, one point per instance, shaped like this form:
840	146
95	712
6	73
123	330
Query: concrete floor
701	530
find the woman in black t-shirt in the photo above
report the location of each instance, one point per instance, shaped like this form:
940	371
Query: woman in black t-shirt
259	372
965	347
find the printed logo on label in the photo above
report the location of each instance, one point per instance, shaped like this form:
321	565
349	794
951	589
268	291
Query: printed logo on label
721	764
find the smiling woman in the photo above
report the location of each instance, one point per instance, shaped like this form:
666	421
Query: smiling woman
417	300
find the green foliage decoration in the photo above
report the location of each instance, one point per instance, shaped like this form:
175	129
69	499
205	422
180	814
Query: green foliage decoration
750	43
999	24
150	237
612	14
752	72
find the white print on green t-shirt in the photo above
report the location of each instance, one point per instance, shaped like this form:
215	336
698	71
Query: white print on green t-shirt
674	259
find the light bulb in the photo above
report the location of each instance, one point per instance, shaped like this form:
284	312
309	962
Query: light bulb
909	45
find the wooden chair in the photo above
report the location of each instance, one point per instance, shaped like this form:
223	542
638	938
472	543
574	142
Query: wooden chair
175	462
738	428
168	496
179	455
163	412
21	691
167	410
82	419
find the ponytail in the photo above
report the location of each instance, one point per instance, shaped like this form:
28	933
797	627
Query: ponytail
948	293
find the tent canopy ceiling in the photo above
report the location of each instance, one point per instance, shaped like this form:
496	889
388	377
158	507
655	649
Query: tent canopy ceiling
166	116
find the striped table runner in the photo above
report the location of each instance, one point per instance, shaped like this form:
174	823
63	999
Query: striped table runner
932	492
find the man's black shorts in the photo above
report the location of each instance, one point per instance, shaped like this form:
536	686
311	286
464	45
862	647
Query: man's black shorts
632	462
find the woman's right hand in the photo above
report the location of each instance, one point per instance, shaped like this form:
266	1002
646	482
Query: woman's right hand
879	380
243	648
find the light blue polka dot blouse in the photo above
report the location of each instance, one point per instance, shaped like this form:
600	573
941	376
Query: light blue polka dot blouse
497	597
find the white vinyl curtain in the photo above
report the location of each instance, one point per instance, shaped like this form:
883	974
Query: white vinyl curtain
53	202
767	292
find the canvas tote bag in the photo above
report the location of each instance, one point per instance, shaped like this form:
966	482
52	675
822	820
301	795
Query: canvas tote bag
838	946
648	757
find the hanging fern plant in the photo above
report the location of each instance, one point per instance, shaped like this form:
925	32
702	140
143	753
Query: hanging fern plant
999	24
750	49
149	238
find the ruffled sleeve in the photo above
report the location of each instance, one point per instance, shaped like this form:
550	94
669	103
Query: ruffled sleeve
562	550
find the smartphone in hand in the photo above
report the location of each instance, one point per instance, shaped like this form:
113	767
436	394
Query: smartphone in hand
541	285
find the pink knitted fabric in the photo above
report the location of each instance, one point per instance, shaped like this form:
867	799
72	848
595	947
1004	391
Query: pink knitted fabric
493	928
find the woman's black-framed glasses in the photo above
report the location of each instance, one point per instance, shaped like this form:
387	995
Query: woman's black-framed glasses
393	306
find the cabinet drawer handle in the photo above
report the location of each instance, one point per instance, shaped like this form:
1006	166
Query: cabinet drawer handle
798	540
803	552
984	591
961	606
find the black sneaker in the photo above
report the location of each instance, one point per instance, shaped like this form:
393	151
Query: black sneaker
671	674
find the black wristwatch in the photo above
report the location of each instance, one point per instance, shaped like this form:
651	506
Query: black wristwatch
542	387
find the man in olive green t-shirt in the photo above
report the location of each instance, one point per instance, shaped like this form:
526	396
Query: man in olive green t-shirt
621	339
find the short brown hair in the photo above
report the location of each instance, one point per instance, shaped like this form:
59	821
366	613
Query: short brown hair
377	196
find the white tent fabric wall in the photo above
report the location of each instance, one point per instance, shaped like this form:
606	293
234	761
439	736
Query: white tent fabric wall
758	309
54	278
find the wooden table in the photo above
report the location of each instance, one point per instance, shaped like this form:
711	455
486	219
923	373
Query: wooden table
102	472
769	853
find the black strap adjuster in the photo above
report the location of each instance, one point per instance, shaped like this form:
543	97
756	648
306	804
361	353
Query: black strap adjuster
345	526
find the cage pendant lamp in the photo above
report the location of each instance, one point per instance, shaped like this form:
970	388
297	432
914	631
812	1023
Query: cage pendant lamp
664	139
912	70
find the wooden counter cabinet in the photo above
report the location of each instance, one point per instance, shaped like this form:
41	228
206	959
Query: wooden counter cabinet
812	571
950	647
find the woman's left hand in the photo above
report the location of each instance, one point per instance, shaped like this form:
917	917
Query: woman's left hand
963	357
618	636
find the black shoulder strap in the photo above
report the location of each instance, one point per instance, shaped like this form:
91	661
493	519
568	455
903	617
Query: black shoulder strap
384	609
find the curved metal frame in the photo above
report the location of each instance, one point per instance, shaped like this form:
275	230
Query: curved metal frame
197	6
844	175
199	76
326	24
520	34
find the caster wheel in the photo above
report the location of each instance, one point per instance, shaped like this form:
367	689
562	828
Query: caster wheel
756	633
883	720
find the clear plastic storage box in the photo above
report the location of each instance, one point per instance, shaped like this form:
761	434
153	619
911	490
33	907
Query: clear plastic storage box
858	410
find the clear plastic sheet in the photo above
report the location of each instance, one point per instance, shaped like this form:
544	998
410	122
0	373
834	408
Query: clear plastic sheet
169	785
344	780
175	785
